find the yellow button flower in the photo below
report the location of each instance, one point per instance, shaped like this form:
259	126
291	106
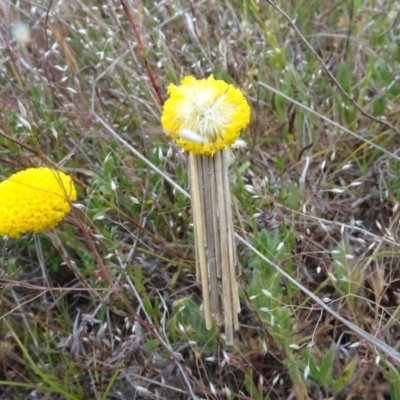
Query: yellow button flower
33	200
204	116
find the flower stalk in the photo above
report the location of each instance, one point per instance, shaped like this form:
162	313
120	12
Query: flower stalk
216	258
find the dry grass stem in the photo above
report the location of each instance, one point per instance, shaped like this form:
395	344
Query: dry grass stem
200	234
216	256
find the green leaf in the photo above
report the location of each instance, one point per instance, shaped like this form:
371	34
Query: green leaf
395	391
244	166
314	371
279	164
138	279
324	375
346	375
383	72
148	306
379	107
343	76
151	345
192	315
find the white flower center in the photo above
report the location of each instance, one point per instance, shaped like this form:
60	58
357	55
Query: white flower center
208	115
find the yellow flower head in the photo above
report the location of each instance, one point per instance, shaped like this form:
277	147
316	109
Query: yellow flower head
206	115
33	200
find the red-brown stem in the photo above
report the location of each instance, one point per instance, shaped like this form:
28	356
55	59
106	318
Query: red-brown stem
142	51
10	163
